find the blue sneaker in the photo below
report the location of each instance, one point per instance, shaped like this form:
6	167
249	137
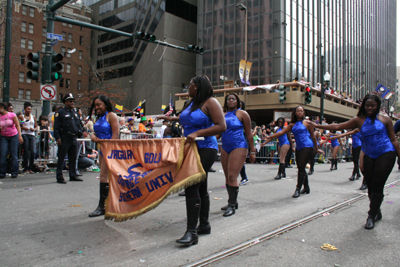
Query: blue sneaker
244	181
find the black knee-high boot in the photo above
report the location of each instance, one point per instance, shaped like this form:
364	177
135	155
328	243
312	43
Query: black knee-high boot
335	164
300	181
204	226
225	207
312	162
192	211
100	210
306	189
332	164
233	193
374	212
356	170
283	171
364	184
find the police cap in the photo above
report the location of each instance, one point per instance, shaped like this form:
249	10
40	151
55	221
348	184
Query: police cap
68	96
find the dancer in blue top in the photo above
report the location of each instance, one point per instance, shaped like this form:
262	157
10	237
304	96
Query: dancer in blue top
236	141
306	146
106	127
355	151
380	147
201	117
283	147
334	149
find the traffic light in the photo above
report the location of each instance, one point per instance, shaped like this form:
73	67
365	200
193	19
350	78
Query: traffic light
33	66
195	48
56	67
282	93
308	95
145	36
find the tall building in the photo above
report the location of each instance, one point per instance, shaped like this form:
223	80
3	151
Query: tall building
285	38
29	31
140	69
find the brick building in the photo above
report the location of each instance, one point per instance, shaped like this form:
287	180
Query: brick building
29	28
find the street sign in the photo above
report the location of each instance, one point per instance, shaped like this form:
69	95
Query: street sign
54	42
48	92
54	36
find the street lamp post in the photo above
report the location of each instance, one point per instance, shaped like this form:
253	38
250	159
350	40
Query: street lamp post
327	78
242	7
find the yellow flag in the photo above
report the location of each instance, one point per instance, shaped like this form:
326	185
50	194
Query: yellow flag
119	108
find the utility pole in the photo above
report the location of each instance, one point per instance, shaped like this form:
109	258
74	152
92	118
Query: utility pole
7	55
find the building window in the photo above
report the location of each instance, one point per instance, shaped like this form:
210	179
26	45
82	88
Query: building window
60	96
68	54
68	68
28	80
30	29
44	31
31	12
61	83
28	94
63	50
80	55
80	40
43	47
67	83
79	85
70	25
22	60
23	42
30	44
69	37
21	93
24	10
79	70
64	36
21	77
62	69
23	27
64	24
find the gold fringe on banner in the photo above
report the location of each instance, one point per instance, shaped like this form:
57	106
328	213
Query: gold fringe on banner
189	181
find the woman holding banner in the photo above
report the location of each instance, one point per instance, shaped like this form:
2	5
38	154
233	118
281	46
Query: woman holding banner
235	143
201	117
106	127
380	148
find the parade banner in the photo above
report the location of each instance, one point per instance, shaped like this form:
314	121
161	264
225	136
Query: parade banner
142	173
242	66
248	68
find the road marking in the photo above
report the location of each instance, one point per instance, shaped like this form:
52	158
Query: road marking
280	230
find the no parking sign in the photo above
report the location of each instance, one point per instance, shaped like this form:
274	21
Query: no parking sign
48	92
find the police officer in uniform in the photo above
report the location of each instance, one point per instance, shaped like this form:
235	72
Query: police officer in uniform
67	128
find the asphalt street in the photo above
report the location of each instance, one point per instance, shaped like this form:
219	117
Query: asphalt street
46	224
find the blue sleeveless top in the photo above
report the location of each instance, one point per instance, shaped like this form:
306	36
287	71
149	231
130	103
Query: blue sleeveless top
102	128
375	140
193	121
356	140
335	142
233	137
302	136
283	140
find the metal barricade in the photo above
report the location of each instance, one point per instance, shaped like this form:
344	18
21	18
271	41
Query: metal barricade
46	151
